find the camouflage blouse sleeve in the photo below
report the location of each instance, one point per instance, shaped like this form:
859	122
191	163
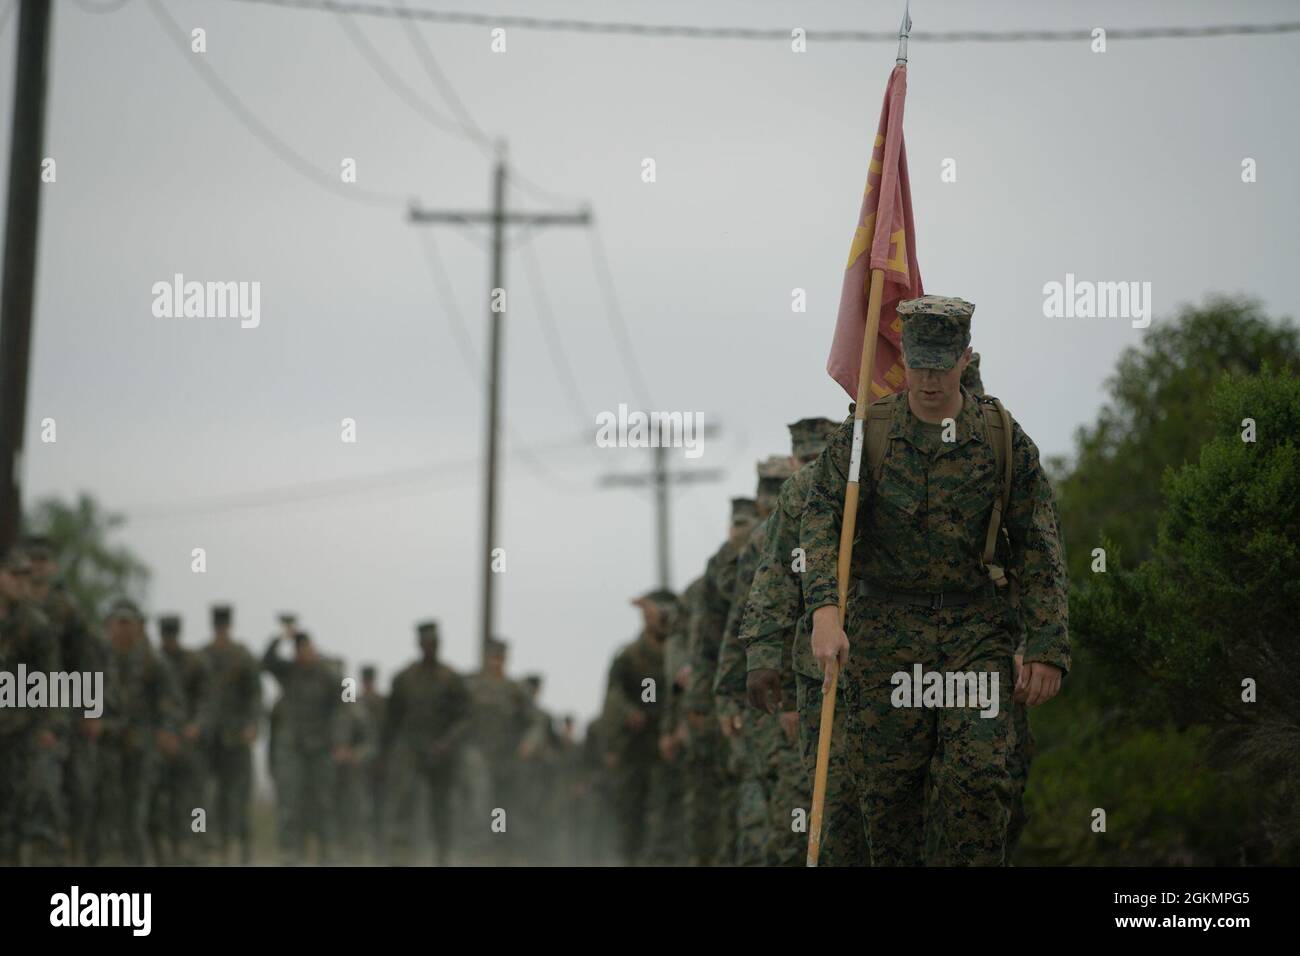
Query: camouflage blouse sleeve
706	637
774	597
1037	557
729	681
819	531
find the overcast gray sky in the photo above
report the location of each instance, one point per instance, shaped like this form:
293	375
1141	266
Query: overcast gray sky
1117	166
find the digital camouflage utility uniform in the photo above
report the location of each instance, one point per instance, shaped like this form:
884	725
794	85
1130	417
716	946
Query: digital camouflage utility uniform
180	775
142	702
236	704
713	759
311	726
632	717
26	733
920	537
427	717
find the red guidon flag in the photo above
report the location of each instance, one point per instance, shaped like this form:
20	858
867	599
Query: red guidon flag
885	239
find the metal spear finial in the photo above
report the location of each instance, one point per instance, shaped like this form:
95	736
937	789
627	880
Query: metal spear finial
904	29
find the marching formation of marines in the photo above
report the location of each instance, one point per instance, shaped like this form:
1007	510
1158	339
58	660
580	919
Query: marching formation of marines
163	772
706	749
713	714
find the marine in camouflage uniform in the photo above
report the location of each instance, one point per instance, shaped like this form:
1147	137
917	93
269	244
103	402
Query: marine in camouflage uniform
701	768
632	713
180	774
666	833
48	808
426	720
29	736
309	738
358	742
275	722
1022	753
714	770
374	706
760	744
924	597
772	627
143	715
595	791
236	711
499	718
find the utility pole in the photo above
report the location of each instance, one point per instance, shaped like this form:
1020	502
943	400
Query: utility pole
499	218
22	218
660	478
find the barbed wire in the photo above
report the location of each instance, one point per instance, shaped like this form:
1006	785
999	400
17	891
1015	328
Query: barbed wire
607	27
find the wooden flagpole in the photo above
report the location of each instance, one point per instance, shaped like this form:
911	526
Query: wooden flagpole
865	376
866	373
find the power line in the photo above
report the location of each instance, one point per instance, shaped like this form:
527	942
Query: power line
614	314
469	126
448	93
551	334
392	80
564	25
260	130
294	494
468	353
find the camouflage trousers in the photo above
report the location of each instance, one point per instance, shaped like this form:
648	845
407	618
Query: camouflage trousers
31	801
81	794
633	778
665	832
973	785
128	775
353	833
304	801
844	826
176	796
751	791
1018	762
230	782
406	771
705	781
786	786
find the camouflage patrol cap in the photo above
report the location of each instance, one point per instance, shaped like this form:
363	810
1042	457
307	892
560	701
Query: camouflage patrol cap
287	617
427	629
936	330
533	680
772	473
808	436
221	615
496	646
665	601
126	609
970	376
744	509
169	625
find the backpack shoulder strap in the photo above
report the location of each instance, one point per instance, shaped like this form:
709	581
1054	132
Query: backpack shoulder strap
879	417
997	428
